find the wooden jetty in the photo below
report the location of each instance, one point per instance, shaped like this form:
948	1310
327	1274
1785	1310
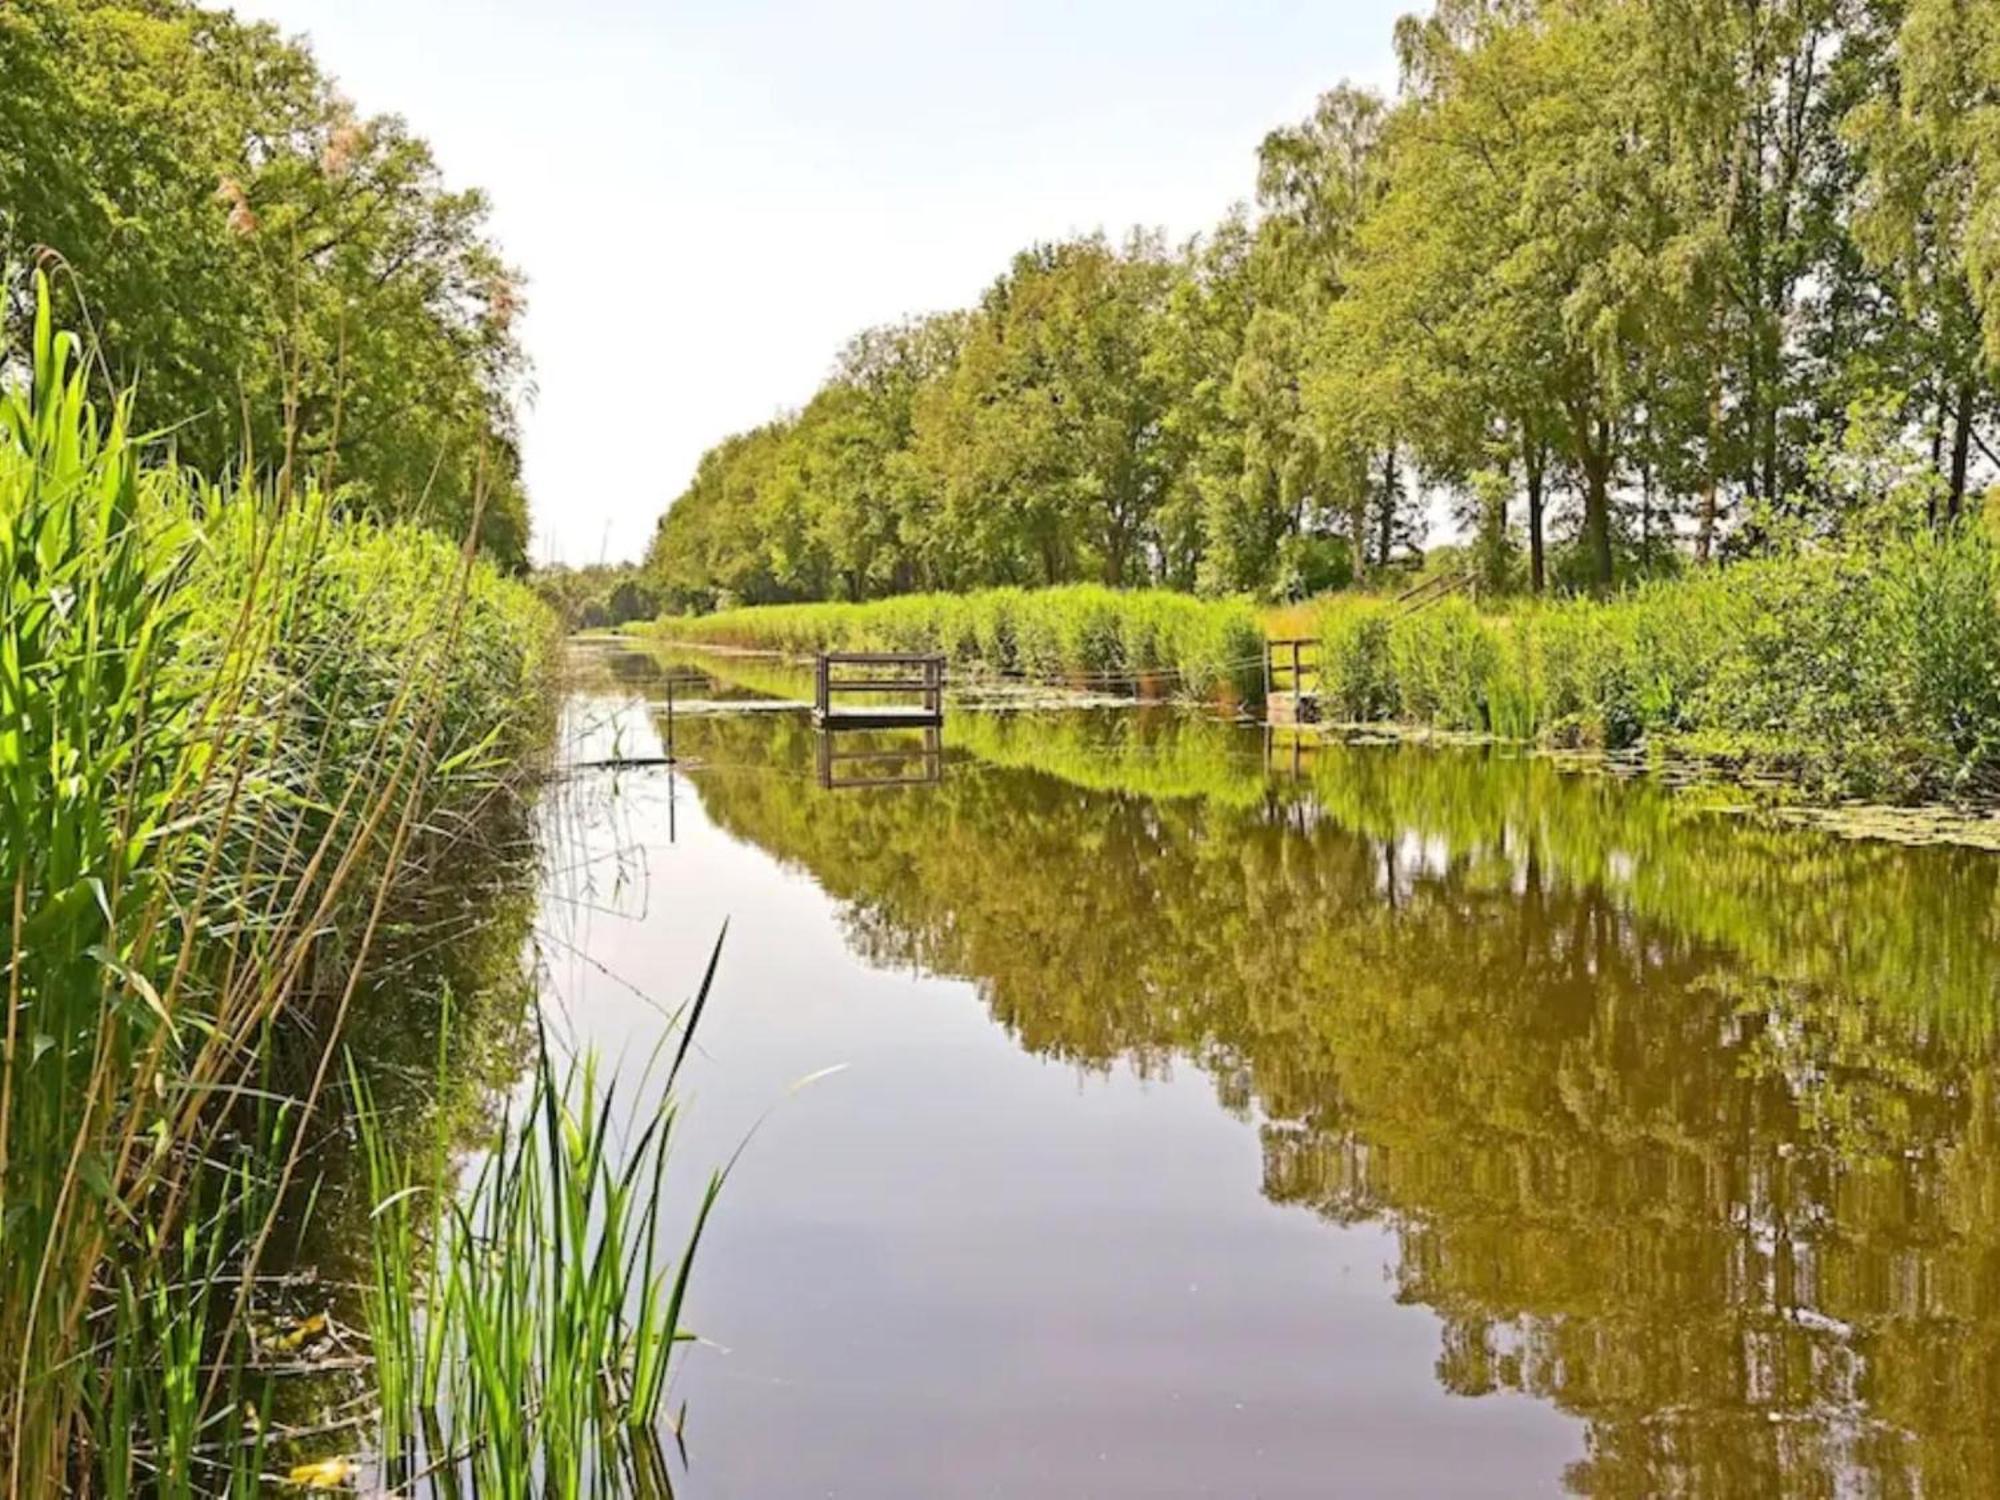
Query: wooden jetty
880	672
1291	681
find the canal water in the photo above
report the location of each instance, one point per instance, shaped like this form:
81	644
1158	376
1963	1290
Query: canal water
1135	1106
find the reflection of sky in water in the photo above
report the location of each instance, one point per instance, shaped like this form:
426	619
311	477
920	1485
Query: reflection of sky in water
1566	1075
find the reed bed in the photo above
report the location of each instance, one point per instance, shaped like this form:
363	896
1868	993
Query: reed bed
1864	672
1149	642
525	1319
245	741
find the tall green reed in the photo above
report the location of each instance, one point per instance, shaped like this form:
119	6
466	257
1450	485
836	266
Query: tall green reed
232	733
1144	641
1864	669
531	1353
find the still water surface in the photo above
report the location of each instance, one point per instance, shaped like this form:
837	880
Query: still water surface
1374	1121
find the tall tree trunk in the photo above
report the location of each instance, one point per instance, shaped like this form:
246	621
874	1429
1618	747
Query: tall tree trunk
1646	513
1357	535
1772	356
1389	484
1961	449
1597	521
1592	446
1705	538
1114	556
1535	465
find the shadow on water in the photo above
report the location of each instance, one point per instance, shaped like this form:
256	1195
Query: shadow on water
1684	1123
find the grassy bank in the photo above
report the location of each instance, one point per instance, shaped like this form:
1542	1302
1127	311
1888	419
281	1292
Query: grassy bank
1149	641
1872	673
251	751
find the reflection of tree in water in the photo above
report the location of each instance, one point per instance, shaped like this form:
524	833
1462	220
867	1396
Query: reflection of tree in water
1647	1157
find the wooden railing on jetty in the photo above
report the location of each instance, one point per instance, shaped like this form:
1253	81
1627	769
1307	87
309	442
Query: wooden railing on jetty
1432	590
884	672
1291	680
1292	665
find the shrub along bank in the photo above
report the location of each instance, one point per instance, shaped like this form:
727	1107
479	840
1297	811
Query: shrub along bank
1870	672
1151	641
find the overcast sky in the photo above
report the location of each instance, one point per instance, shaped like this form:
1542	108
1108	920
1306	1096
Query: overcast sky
709	197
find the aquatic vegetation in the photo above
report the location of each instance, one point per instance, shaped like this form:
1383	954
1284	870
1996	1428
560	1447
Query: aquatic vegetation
244	735
523	1323
1859	672
1083	635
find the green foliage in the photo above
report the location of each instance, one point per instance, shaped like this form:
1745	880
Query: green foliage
1149	640
1579	664
269	267
1606	278
1868	670
1357	675
597	597
1444	660
239	729
524	1323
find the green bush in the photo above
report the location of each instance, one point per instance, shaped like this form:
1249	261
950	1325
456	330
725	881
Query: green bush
1872	671
1579	662
1089	635
1940	601
996	628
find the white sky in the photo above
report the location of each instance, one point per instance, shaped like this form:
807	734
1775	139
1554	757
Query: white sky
708	197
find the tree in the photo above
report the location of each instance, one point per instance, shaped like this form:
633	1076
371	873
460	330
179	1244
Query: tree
288	285
1608	272
874	513
1197	342
1930	144
1043	446
1307	467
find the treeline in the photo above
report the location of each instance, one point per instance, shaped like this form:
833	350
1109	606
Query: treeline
285	284
597	595
1626	283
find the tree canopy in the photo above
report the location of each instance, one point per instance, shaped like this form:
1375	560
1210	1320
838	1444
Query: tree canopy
1614	281
287	284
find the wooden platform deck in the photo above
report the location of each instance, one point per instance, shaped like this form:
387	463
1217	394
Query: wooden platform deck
879	716
881	672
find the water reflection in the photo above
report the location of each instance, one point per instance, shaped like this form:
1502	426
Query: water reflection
1684	1124
857	760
